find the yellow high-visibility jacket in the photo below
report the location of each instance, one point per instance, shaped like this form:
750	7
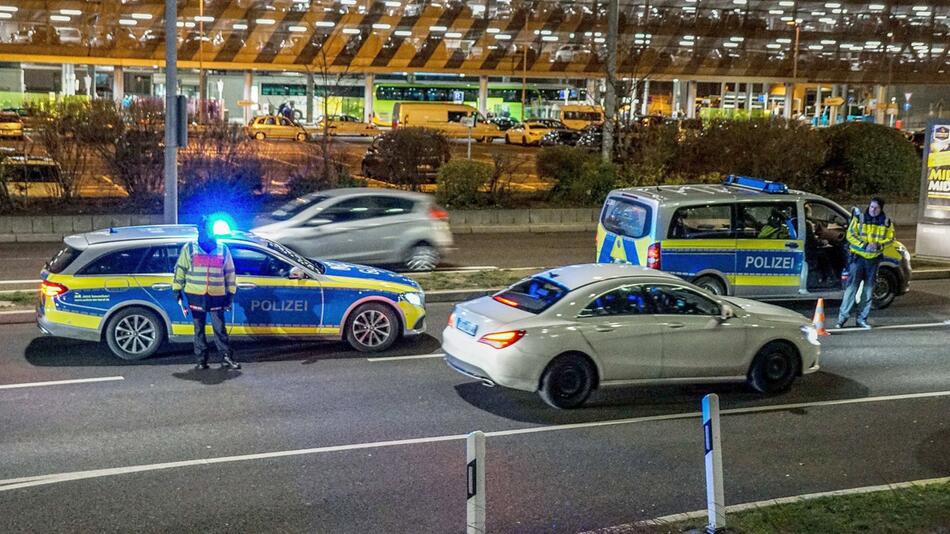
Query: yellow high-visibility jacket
865	229
207	279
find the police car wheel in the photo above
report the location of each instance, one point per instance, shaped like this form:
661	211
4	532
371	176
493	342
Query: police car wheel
134	333
711	285
422	257
885	289
372	327
774	368
567	381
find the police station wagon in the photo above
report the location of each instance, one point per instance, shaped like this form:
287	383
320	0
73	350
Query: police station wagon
115	286
747	237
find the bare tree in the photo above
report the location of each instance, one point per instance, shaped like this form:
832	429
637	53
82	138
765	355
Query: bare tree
65	132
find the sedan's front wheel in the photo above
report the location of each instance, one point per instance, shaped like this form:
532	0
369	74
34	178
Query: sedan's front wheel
372	327
774	368
567	382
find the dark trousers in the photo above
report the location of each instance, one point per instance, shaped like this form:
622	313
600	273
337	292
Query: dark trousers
220	334
860	270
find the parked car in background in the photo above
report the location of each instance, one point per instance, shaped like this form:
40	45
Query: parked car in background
580	116
275	127
446	118
345	125
373	165
11	125
570	52
69	36
504	123
592	137
532	131
370	226
30	177
561	136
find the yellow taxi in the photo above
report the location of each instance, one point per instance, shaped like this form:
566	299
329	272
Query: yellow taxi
11	126
345	125
30	177
275	127
532	131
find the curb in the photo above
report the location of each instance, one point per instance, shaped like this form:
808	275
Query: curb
930	274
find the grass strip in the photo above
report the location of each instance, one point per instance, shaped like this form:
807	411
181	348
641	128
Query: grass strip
437	281
913	510
18	299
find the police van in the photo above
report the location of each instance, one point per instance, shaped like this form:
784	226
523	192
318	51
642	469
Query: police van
746	237
115	286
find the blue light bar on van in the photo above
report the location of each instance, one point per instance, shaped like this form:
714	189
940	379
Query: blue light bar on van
758	184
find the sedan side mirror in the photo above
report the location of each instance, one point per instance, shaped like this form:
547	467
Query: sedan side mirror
726	313
296	273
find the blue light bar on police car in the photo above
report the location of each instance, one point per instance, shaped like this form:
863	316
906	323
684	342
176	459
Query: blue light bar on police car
758	184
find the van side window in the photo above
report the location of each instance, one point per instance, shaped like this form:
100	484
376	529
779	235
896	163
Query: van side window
457	116
772	220
626	217
702	222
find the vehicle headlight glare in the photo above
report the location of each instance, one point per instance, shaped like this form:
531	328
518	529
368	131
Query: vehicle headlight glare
413	298
811	334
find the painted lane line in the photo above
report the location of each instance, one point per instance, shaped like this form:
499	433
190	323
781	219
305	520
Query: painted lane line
414	357
61	382
20	281
17	312
855	329
688	516
41	480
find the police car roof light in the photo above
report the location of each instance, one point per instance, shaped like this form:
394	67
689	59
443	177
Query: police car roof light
220	227
758	184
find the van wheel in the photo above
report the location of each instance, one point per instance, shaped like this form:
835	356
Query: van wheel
422	257
885	289
134	333
259	136
711	284
301	137
507	140
567	381
372	327
774	368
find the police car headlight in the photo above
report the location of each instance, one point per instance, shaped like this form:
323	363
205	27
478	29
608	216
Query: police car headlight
811	334
416	299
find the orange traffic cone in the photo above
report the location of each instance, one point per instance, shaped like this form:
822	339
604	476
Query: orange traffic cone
819	320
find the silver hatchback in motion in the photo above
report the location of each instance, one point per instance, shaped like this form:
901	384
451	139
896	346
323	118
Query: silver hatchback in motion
362	225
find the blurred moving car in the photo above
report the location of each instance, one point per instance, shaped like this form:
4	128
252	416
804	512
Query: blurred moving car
373	165
345	125
570	330
11	125
372	226
275	127
532	131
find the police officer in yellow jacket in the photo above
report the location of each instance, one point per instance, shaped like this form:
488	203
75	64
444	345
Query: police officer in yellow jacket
869	233
205	274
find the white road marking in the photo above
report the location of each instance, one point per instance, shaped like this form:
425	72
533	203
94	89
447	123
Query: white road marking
42	480
61	382
9	291
854	329
17	312
414	357
687	516
19	281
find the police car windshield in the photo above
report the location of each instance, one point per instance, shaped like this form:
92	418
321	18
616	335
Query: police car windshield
297	205
309	264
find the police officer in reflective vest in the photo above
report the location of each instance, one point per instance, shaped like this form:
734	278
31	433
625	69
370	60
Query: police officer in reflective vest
869	233
205	274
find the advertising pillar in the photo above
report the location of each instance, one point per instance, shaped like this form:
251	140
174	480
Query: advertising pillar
933	221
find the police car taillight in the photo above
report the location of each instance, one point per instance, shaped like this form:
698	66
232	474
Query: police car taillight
52	289
653	256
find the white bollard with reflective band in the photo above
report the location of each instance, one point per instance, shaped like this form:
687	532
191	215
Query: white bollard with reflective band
475	482
715	498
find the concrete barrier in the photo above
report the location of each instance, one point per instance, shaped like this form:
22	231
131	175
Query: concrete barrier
48	228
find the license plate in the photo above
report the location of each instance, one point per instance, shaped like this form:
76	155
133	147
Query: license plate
466	326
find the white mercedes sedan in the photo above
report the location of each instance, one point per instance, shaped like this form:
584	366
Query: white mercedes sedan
569	330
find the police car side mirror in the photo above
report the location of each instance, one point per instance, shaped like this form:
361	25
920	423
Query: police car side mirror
296	273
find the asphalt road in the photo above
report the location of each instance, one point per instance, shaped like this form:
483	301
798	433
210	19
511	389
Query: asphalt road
23	261
329	428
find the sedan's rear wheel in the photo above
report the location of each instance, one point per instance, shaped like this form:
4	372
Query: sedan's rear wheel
774	368
372	327
134	333
567	382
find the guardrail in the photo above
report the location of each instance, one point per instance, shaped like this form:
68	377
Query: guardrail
52	228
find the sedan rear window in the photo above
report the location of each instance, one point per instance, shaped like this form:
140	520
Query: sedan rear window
62	259
532	295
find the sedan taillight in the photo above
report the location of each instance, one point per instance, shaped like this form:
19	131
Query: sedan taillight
500	340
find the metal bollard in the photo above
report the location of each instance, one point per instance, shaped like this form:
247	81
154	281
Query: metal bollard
715	495
475	482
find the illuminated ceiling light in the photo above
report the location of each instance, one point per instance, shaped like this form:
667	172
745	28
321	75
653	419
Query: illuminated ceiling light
549	38
502	36
9	9
597	34
818	13
128	22
827	21
600	40
737	39
453	35
297	29
773	46
59	18
545	32
204	18
493	30
872	43
920	8
740	2
815	47
392	3
828	41
403	33
73	12
783	40
689	37
776	12
264	22
686	43
180	24
437	28
239	26
324	24
730	45
786	3
351	31
381	26
876	7
689	9
142	16
923	13
832	5
788	19
348	2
